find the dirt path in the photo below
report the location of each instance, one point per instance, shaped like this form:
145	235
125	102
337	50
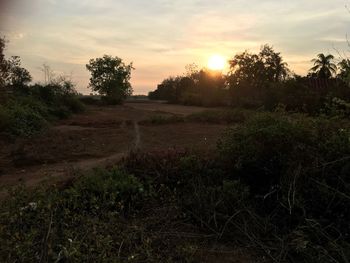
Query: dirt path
99	137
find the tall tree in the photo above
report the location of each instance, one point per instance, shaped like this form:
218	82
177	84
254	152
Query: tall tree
11	72
344	70
275	69
110	77
323	66
267	66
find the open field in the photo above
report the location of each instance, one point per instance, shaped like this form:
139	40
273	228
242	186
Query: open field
100	136
153	182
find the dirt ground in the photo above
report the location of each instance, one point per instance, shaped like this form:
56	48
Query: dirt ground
101	136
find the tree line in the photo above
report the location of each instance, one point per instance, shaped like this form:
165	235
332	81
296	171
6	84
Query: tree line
27	107
262	79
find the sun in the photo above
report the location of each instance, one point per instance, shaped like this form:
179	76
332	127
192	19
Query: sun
216	62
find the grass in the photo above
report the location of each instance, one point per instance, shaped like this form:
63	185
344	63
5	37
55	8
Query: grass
226	116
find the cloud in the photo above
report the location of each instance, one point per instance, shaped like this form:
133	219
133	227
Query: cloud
161	36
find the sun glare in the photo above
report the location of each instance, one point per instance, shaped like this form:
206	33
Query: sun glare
216	62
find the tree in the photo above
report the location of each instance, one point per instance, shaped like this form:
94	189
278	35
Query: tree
344	70
275	69
11	72
18	76
267	66
110	78
4	65
323	66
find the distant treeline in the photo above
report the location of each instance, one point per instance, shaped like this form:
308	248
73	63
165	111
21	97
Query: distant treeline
264	80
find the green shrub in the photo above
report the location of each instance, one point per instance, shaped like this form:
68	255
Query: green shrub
297	168
73	103
336	107
24	121
266	146
82	223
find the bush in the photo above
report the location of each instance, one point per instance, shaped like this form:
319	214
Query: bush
79	224
73	104
334	106
27	113
298	170
24	121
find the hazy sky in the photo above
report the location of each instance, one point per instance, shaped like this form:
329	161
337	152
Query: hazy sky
161	36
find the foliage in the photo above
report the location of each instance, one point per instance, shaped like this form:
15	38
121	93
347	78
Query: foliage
11	72
26	109
261	80
344	70
202	88
22	120
278	184
336	107
80	223
267	66
27	113
110	77
323	67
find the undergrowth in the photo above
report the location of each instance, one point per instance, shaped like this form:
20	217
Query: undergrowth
277	184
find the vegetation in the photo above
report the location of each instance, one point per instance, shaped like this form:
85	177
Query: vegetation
110	78
262	80
201	88
323	66
278	184
26	109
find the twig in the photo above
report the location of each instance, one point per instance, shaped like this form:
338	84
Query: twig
331	188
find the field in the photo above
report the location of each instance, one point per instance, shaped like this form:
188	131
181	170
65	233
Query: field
101	136
155	182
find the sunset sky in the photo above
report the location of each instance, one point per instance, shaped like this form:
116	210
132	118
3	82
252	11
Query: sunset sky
161	36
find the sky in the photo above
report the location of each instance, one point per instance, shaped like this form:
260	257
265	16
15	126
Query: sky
161	37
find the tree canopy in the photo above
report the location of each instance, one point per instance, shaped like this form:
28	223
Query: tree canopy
266	66
110	77
11	72
323	66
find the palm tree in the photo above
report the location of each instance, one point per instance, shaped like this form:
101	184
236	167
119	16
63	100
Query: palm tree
323	66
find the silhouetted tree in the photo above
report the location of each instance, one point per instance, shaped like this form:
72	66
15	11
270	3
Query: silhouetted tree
4	65
323	66
12	75
110	77
276	70
344	70
18	76
267	66
250	75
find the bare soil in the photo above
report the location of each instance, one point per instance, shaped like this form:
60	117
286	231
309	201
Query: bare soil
99	137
